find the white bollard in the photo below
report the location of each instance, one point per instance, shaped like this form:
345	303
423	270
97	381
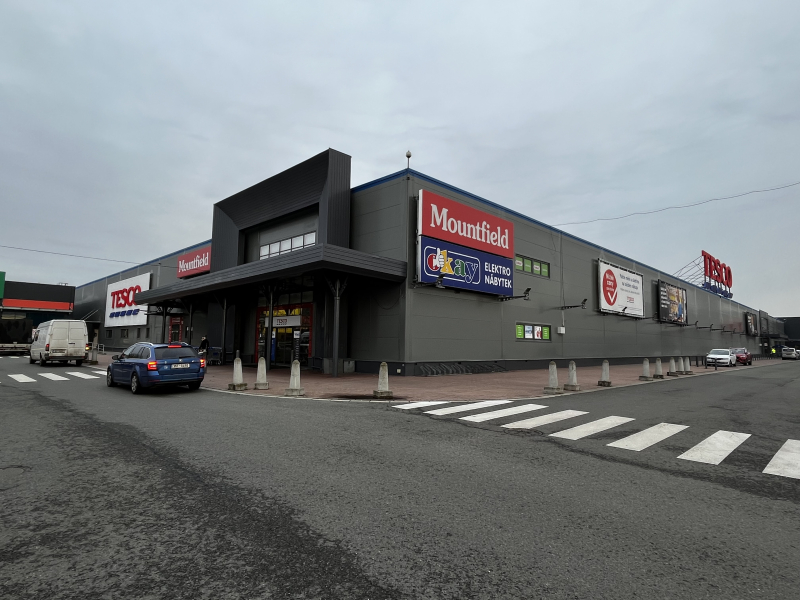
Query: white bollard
238	381
680	370
672	372
261	376
383	390
605	376
552	381
294	388
659	374
572	380
645	376
687	366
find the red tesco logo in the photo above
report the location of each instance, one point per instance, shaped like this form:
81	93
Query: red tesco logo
716	270
124	297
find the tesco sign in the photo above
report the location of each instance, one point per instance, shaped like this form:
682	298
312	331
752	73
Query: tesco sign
717	271
121	308
194	262
444	219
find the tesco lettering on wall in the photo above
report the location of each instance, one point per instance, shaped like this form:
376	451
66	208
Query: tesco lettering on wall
121	310
444	219
194	262
621	290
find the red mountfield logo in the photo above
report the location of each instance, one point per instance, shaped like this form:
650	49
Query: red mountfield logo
197	261
448	220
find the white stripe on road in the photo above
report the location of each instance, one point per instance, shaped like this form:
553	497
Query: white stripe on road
464	408
99	372
715	447
545	419
587	429
14	357
21	378
647	437
418	404
53	377
506	412
82	375
786	461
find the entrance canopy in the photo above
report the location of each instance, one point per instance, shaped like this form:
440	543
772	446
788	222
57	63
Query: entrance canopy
321	256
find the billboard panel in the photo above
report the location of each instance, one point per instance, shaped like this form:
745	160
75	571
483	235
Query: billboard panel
464	268
672	306
194	262
751	323
121	310
444	219
620	290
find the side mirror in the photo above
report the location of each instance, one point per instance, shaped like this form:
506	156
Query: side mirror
115	357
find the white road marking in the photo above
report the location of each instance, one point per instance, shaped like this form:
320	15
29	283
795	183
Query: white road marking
14	357
786	461
545	419
418	405
474	406
82	375
99	372
647	437
587	429
715	447
21	378
506	412
53	376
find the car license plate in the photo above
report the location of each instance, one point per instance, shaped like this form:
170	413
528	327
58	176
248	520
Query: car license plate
181	366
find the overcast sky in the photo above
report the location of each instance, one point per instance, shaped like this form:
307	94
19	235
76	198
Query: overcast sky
122	123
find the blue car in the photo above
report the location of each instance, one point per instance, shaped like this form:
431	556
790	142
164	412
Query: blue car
147	365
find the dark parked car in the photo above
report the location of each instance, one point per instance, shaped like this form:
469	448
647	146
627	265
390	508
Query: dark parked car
146	365
743	356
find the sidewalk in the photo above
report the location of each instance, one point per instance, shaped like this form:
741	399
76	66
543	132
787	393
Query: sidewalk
484	386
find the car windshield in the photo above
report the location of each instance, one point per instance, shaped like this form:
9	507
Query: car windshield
718	352
179	352
740	351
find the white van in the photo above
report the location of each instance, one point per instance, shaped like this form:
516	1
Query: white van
60	340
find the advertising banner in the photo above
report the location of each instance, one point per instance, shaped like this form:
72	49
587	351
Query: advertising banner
526	331
444	219
121	310
751	323
672	303
465	268
620	290
194	262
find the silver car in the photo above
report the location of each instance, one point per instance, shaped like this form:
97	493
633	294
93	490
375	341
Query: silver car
721	356
792	353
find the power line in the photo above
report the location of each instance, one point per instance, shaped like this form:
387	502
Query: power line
658	210
127	262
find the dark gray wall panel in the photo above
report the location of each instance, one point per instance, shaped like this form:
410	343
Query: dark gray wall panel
379	220
225	241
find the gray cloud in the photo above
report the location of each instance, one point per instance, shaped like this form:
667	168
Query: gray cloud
122	124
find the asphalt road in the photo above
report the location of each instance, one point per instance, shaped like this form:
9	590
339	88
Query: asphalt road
212	495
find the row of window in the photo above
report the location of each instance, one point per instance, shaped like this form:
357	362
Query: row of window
125	333
288	245
529	265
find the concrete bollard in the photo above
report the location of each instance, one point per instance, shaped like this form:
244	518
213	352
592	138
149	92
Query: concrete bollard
238	381
383	383
687	366
680	370
294	388
605	376
572	379
672	372
552	381
645	376
261	376
659	374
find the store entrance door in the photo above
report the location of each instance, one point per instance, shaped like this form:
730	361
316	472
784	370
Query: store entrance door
291	335
175	329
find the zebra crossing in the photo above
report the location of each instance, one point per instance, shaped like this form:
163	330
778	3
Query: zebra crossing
712	450
35	377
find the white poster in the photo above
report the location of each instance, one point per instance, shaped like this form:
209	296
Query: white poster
121	310
621	291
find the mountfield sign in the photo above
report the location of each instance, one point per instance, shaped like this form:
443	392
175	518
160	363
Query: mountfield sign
465	268
620	290
451	221
121	310
194	262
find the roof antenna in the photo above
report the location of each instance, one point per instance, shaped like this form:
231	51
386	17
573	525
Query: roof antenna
408	156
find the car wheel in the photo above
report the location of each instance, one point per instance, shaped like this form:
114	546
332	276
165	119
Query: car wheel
42	361
136	385
195	385
110	378
30	360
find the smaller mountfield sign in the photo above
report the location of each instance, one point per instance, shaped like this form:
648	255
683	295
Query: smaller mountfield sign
195	262
465	268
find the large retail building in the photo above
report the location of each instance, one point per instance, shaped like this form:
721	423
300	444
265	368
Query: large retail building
415	272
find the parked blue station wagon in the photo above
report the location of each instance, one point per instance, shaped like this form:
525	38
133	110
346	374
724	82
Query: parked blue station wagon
147	365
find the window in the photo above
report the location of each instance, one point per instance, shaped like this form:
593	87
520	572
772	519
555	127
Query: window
529	265
182	352
147	333
109	334
123	333
144	352
291	244
138	332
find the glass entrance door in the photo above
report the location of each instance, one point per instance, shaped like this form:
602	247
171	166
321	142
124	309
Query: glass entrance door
175	328
284	346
